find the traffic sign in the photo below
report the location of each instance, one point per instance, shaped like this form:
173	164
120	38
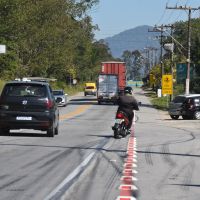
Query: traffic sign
167	84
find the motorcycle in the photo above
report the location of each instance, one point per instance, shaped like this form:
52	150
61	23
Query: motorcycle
120	127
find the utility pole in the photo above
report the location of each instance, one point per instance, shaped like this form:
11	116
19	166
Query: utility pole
160	29
172	54
189	9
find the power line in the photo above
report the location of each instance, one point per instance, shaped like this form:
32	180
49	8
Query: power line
189	9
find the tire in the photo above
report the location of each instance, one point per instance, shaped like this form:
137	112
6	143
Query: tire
4	131
174	116
99	102
116	134
51	131
197	115
123	130
56	130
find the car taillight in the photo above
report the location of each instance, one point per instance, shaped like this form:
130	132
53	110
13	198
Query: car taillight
49	104
120	115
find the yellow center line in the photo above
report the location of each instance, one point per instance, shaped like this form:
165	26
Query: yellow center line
78	111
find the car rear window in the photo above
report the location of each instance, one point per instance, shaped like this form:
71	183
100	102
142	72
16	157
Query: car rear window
31	90
179	99
58	92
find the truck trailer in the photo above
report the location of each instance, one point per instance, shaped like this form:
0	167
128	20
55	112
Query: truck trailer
116	68
107	88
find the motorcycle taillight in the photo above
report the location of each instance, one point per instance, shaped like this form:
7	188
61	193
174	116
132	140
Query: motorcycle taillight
119	116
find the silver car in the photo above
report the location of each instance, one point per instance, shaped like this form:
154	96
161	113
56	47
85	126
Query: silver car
60	97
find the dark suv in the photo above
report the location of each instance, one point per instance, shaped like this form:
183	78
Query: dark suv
191	107
187	106
28	105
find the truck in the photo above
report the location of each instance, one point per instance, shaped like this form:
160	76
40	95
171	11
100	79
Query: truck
111	81
107	88
117	68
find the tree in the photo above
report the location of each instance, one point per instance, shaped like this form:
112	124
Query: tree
134	64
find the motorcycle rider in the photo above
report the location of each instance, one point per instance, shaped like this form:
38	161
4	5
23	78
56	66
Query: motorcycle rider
127	103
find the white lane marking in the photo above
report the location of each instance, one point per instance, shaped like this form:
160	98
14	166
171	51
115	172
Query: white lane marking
70	177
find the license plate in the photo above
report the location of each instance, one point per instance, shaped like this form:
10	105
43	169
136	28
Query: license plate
117	121
23	118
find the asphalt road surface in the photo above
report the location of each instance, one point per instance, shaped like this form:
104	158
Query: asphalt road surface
85	162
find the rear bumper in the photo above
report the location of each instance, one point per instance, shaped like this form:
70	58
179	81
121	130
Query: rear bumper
90	92
37	121
107	99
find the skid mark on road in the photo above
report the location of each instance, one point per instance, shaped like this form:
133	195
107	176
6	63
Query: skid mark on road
166	155
78	111
148	157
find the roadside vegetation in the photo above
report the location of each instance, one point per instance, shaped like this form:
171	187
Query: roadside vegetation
50	38
55	39
162	103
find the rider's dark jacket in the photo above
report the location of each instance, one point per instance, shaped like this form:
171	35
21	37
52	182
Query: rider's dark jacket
127	103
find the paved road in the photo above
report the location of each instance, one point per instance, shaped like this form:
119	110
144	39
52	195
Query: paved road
168	155
85	162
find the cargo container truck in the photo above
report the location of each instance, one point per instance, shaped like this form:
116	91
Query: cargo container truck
117	68
107	88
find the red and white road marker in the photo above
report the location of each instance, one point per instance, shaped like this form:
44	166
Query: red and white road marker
127	188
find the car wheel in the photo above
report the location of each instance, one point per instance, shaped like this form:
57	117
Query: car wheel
4	131
51	131
56	129
197	115
174	116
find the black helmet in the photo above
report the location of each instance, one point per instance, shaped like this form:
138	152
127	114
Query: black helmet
128	90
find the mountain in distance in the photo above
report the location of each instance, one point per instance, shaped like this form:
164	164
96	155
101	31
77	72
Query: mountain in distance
137	38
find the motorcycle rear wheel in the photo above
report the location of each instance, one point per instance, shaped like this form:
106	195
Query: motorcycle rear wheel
116	134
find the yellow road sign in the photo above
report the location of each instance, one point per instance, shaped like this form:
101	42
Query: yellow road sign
167	84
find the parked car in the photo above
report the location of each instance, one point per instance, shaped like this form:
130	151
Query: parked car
28	105
178	107
61	97
191	107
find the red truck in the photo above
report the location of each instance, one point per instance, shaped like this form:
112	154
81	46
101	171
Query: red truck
117	68
111	81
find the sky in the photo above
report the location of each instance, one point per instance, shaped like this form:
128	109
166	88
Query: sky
115	16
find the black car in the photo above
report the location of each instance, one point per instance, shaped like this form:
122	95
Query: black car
28	105
191	107
186	106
